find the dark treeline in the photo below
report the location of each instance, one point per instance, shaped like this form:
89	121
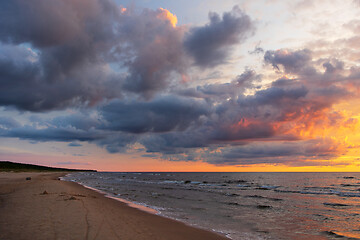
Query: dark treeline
20	167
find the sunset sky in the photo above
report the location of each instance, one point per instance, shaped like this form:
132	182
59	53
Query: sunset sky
198	85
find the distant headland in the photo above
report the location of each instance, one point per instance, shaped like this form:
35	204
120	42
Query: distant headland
6	166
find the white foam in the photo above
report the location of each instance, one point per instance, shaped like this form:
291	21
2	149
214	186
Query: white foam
140	206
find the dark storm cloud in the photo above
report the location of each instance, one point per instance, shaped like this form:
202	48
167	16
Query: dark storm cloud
274	95
59	54
210	45
22	85
277	113
261	109
41	29
226	122
248	132
76	127
65	42
175	143
219	123
71	53
52	134
117	142
184	128
159	115
77	121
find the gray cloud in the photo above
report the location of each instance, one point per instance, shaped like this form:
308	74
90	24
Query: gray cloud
292	61
74	144
8	123
156	52
159	115
210	45
52	134
220	91
78	121
117	142
278	152
175	143
76	127
65	64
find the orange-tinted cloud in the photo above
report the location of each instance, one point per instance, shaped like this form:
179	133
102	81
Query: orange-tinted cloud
165	14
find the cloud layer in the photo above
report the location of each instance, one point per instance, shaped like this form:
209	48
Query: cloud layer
123	75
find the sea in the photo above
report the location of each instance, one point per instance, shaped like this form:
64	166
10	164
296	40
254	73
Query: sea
242	205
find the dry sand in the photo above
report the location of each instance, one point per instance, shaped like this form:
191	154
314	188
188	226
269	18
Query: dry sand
70	211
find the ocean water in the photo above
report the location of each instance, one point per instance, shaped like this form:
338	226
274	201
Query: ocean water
244	205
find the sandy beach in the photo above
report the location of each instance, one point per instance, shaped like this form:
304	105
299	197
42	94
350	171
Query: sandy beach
46	208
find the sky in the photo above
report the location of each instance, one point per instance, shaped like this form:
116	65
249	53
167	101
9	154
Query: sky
200	85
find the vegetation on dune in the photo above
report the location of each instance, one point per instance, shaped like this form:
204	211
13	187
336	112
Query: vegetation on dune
21	167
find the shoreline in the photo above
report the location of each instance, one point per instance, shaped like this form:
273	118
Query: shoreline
128	203
145	208
46	208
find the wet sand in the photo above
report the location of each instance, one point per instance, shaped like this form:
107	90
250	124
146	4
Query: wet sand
46	208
